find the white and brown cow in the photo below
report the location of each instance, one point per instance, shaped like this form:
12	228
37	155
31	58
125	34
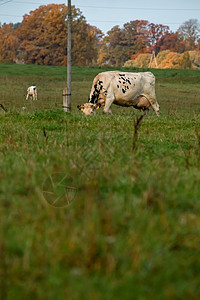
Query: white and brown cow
122	88
31	92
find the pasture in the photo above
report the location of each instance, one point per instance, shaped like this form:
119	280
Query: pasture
84	215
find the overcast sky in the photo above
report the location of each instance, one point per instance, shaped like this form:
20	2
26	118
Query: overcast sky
105	14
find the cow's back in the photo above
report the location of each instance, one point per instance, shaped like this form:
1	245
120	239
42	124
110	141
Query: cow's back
127	87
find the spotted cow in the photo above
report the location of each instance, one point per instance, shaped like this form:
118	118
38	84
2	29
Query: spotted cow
124	89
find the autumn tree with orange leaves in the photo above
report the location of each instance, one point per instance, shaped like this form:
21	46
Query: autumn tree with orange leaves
43	36
9	43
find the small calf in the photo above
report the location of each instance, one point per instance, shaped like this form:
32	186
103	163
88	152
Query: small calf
31	93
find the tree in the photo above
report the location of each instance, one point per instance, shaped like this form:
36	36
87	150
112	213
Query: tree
198	45
170	41
8	43
189	32
135	37
155	33
112	51
185	62
119	44
43	36
16	25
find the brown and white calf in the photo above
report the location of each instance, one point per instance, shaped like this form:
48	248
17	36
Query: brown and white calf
124	89
31	92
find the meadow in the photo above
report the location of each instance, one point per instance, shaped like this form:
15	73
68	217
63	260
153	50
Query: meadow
83	214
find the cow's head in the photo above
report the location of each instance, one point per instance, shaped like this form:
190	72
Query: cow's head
89	108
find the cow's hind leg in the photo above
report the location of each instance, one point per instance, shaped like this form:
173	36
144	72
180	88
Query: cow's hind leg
145	112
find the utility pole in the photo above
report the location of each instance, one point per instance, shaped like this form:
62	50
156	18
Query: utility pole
69	59
67	92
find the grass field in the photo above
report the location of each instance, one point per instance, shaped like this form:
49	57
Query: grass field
82	214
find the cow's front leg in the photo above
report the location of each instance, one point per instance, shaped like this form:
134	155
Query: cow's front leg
108	103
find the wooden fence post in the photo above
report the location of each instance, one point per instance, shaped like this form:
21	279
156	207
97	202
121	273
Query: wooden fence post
64	94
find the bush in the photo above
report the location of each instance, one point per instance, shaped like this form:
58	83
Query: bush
167	60
185	62
141	61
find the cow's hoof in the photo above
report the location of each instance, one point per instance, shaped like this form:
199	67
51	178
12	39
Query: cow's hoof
107	112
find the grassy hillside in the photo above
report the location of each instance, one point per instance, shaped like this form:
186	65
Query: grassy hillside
82	215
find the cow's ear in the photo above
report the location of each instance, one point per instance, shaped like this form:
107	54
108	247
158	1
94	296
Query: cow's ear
98	106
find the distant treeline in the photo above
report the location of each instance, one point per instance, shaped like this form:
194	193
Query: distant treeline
41	39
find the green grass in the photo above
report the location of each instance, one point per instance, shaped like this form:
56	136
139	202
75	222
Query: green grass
129	226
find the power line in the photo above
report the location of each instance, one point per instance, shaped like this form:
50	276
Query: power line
98	21
116	7
101	21
40	3
25	2
5	15
102	7
6	2
138	8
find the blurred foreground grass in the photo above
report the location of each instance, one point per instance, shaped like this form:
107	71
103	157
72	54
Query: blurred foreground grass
124	224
